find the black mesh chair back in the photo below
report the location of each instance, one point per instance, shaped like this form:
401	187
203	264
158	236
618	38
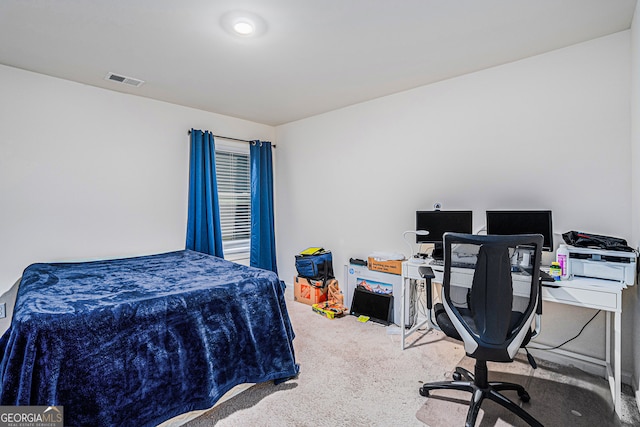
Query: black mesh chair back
490	297
491	290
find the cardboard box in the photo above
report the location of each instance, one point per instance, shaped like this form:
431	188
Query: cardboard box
392	267
309	291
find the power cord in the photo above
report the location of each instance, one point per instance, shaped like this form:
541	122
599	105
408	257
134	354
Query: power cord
570	339
417	290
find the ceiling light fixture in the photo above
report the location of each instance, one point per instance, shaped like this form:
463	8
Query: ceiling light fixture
243	28
243	24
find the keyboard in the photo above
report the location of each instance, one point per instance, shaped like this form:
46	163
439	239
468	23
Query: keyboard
455	264
458	264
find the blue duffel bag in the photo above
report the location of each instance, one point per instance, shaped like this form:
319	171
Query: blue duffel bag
317	266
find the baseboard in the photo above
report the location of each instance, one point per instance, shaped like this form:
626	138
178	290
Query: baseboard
586	366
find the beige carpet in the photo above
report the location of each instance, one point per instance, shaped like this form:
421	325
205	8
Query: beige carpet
355	374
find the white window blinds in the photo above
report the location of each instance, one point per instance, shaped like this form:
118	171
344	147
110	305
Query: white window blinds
234	197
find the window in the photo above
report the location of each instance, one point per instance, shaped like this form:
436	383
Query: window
234	197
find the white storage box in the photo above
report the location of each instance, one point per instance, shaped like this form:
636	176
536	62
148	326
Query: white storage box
382	282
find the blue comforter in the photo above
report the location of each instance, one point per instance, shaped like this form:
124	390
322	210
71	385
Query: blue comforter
134	342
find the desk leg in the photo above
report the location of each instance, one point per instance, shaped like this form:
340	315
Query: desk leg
617	329
607	343
614	372
414	327
402	311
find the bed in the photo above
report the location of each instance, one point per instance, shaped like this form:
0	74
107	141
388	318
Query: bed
136	341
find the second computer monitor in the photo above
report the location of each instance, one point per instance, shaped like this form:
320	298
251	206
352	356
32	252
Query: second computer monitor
522	222
439	222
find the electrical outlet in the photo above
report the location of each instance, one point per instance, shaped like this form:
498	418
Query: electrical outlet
3	310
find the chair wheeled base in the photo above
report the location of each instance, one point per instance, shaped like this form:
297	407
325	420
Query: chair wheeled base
480	388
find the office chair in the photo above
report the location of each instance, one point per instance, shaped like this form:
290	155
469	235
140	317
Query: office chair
482	306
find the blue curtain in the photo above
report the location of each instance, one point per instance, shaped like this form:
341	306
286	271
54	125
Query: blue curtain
263	241
203	221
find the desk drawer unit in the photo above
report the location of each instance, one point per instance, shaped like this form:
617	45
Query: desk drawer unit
582	297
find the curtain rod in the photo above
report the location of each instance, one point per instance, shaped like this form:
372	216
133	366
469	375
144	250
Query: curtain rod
232	139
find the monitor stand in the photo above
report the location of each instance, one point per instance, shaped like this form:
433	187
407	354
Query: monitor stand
438	251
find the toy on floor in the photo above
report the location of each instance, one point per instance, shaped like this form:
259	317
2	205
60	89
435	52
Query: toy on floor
334	306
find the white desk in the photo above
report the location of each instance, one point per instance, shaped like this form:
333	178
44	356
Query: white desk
582	292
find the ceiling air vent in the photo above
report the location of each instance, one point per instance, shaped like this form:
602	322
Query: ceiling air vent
124	80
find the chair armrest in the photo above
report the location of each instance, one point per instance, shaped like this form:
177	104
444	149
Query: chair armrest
538	326
427	274
539	306
538	318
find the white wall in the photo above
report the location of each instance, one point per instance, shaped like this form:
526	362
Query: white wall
548	132
88	173
634	294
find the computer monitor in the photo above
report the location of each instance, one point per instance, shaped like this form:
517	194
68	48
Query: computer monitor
522	222
439	222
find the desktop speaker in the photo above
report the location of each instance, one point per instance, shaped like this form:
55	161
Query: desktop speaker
377	306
